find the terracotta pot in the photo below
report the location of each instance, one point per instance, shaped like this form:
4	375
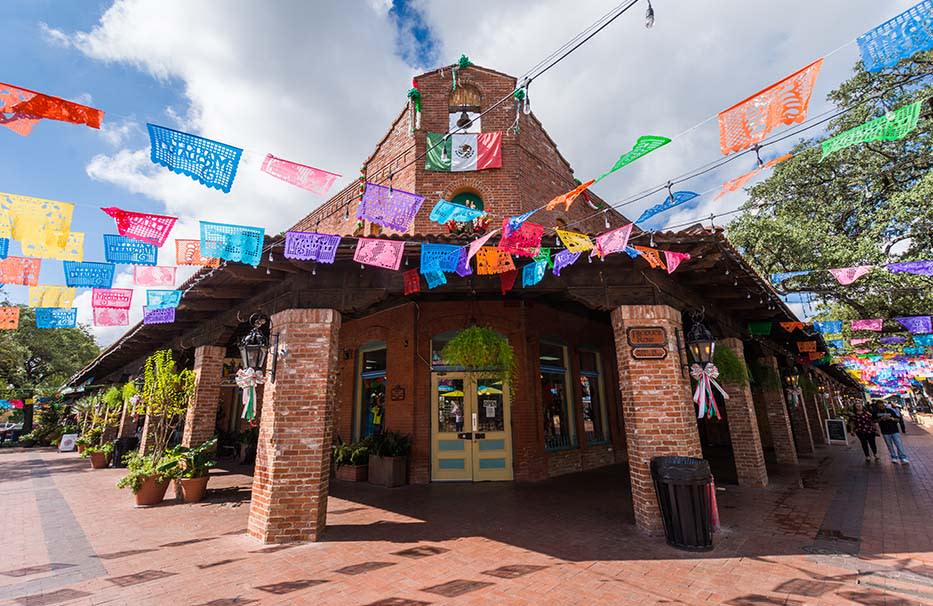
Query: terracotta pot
80	448
191	490
353	473
27	443
388	471
99	460
151	492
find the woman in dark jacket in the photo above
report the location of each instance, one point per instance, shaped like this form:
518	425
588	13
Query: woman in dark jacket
864	424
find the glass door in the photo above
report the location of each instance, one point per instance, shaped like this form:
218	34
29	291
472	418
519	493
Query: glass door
492	432
451	439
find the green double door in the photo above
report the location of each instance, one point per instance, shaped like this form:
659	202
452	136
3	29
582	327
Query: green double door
471	432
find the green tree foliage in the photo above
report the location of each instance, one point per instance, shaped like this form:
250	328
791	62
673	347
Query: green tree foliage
39	361
166	393
868	204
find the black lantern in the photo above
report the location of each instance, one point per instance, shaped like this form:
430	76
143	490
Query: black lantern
464	120
700	341
792	378
255	346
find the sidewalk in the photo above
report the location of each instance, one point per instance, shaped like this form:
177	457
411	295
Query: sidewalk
833	530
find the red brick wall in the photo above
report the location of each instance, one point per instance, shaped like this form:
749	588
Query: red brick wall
202	410
743	427
772	400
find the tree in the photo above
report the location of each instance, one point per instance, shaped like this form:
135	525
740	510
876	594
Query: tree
39	361
868	204
165	397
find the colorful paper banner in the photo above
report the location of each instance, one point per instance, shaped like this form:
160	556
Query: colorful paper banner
924	340
759	328
151	275
439	258
490	260
564	258
922	268
35	220
672	201
392	208
652	256
445	211
311	246
734	184
54	317
208	162
434	279
612	241
778	278
379	253
791	326
120	298
477	244
525	241
21	108
898	38
71	250
785	102
828	326
574	242
533	273
9	318
161	315
507	280
890	127
51	296
568	198
873	324
806	346
674	259
160	299
111	316
917	325
146	227
411	282
848	275
643	146
240	243
120	249
188	252
22	271
4	247
312	179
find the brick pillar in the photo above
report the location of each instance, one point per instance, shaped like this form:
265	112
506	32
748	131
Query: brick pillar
127	427
800	422
772	393
144	443
290	482
815	417
201	417
659	413
743	427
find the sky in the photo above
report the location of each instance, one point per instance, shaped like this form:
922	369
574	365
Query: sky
320	82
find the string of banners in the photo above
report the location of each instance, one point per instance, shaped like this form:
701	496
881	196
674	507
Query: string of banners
848	275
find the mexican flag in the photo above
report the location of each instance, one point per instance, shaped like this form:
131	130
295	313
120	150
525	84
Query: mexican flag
463	152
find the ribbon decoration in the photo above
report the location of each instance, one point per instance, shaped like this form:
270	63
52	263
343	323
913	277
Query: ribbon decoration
524	241
705	376
150	275
445	211
71	250
563	259
311	246
21	108
240	243
490	261
643	146
247	379
412	282
379	253
875	324
210	163
574	242
533	273
35	220
51	296
9	318
121	249
54	317
314	180
146	227
23	271
674	259
392	208
917	325
159	299
890	127
119	298
162	315
88	274
568	198
188	252
111	316
898	38
848	275
674	199
785	102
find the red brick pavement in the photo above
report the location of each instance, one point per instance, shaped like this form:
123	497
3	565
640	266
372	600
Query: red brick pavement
833	530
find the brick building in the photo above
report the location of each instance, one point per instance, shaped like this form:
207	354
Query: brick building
354	355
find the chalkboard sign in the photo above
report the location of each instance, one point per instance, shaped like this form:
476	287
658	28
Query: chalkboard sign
836	430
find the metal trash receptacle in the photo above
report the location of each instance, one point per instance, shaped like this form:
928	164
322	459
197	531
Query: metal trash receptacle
683	487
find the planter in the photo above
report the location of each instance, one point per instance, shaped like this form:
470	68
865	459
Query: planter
388	471
99	460
80	448
191	490
353	473
151	492
27	443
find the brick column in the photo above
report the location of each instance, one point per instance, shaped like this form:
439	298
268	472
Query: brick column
201	417
127	427
290	482
772	393
800	422
815	417
743	427
144	444
659	413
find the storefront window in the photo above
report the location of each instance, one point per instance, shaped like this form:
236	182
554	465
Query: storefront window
559	431
372	389
594	406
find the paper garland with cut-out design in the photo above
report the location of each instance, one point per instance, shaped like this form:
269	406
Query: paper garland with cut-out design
612	241
146	227
51	296
533	273
111	316
507	280
574	242
120	298
524	241
791	326
890	127
35	220
55	317
439	258
671	201
435	279
564	258
72	250
784	102
490	260
153	275
120	249
652	256
210	163
917	325
311	246
568	198
159	315
899	38
848	275
160	299
674	259
9	318
806	346
643	146
21	108
379	253
314	180
874	324
392	208
734	184
411	282
445	211
188	252
22	271
240	243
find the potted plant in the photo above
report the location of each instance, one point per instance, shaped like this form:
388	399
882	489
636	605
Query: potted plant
99	455
351	461
191	469
27	440
388	459
144	479
88	438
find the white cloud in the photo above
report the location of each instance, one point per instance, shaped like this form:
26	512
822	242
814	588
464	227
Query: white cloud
55	37
116	132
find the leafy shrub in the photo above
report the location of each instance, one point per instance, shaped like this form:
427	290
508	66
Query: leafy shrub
481	348
140	468
188	462
732	370
390	444
352	454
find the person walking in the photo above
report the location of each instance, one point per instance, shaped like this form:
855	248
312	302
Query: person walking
863	422
889	423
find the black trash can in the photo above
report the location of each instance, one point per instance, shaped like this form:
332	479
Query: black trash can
683	486
121	447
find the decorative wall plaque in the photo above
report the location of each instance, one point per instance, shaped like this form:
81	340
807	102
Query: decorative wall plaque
647	336
649	353
398	393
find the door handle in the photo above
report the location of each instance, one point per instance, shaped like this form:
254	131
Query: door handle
465	436
475	422
479	436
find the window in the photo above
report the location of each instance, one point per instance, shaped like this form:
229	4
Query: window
469	199
595	421
371	389
464	109
559	431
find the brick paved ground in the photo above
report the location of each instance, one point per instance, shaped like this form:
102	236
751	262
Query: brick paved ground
835	530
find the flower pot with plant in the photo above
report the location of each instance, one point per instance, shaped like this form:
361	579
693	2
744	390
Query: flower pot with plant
99	455
88	438
27	440
388	459
191	468
144	479
351	461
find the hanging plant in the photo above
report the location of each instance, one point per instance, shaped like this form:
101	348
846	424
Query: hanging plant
732	370
477	348
764	377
